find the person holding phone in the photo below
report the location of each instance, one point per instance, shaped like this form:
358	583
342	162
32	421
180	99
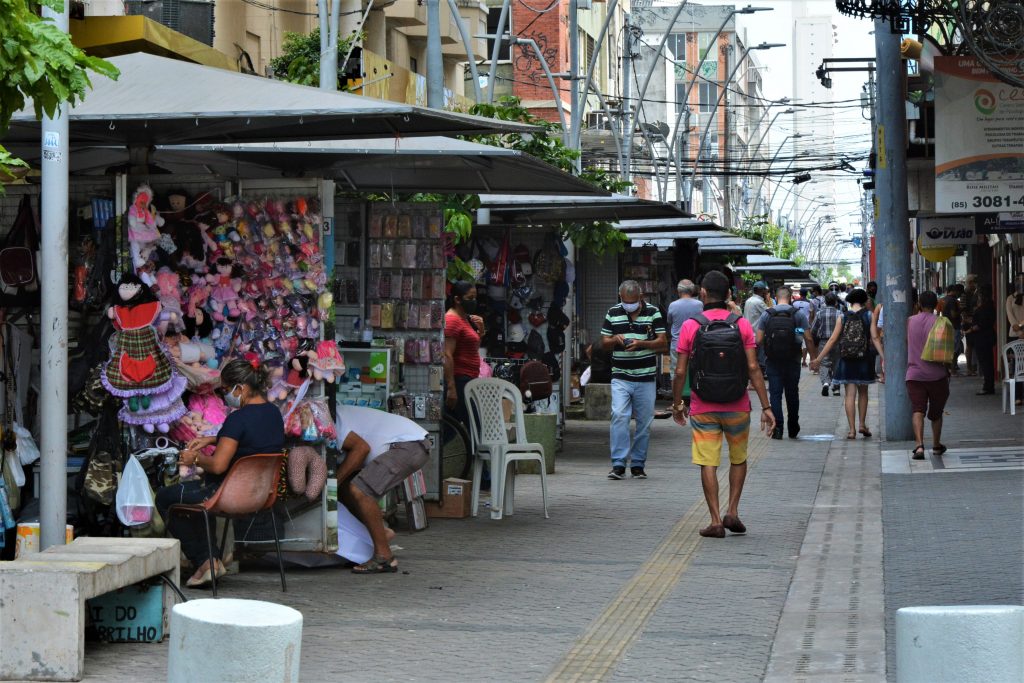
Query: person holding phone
634	331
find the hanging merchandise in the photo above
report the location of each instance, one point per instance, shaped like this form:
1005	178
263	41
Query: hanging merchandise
140	372
134	496
18	274
143	231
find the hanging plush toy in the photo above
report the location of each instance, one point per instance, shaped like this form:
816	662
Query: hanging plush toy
139	371
226	285
197	321
169	291
143	226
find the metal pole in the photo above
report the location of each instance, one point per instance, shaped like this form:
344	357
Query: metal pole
435	63
352	45
329	44
53	428
577	118
628	126
469	46
492	73
867	212
551	81
775	156
892	228
574	74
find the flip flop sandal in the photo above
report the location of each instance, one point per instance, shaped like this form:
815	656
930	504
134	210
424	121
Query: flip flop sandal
851	436
713	531
918	452
939	450
866	432
377	565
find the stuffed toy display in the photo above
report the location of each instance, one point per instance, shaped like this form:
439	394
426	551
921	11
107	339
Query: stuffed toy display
139	371
223	279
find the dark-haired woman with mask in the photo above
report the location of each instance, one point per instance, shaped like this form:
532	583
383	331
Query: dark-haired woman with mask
1015	318
254	426
462	332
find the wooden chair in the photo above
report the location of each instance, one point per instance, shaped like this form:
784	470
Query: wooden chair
249	487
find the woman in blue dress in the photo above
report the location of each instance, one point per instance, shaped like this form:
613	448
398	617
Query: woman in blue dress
856	373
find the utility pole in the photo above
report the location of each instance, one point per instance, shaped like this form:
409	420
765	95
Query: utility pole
627	117
53	429
435	64
891	227
574	76
868	213
329	26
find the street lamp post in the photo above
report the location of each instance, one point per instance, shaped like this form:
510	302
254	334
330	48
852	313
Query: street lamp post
674	146
778	185
714	110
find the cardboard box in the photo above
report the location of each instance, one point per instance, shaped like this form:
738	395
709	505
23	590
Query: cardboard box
456	496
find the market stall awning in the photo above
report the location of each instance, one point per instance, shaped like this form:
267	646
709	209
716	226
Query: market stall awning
674	225
665	239
738	246
427	164
159	101
553	209
778	271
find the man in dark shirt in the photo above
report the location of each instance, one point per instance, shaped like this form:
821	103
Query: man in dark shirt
635	333
950	306
784	367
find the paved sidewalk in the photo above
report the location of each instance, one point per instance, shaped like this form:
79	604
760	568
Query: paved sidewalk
618	586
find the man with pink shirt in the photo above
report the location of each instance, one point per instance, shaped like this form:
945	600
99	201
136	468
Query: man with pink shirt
711	420
927	382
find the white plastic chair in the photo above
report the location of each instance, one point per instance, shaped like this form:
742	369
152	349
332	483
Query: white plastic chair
489	434
1010	379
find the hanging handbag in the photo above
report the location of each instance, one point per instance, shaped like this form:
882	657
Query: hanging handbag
19	279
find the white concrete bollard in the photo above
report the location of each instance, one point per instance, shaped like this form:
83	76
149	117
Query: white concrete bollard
234	641
961	644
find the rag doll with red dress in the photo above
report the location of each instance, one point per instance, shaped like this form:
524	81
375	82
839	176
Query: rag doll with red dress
139	370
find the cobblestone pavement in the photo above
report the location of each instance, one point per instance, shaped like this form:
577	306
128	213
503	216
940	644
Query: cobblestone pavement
615	586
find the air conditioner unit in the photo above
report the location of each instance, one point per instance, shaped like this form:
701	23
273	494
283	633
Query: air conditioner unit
193	18
598	120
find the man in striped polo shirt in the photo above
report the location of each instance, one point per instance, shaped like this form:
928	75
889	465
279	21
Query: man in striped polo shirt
635	333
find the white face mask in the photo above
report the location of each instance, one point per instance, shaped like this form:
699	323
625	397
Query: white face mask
231	400
631	308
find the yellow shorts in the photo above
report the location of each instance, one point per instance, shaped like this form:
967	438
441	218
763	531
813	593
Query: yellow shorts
707	430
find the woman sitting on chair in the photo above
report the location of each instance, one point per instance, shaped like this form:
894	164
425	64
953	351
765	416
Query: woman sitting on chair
255	426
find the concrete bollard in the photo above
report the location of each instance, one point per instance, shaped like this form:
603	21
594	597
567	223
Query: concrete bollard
597	401
234	641
965	644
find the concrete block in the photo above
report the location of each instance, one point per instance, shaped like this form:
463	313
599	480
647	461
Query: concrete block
42	600
967	644
598	401
233	640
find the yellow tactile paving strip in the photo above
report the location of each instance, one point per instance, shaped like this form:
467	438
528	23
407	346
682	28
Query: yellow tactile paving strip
594	656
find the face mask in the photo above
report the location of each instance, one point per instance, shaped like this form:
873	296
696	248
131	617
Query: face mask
231	400
469	306
631	308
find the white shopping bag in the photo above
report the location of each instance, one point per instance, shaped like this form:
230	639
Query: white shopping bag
354	541
134	497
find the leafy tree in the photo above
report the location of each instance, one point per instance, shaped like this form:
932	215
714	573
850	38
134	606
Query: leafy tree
775	238
300	58
39	62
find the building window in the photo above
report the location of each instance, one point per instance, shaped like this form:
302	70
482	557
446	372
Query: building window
414	66
708	96
677	46
493	15
703	43
680	95
586	50
709	150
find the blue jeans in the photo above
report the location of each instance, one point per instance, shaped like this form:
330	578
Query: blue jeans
785	377
631	399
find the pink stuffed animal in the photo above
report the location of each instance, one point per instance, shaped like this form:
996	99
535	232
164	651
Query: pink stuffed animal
169	292
144	222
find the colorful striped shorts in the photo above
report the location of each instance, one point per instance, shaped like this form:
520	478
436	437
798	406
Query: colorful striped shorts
708	429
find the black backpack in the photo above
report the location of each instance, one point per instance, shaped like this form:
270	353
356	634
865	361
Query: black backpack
718	366
780	341
853	339
534	345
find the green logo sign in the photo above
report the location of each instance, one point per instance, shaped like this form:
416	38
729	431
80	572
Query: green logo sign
984	101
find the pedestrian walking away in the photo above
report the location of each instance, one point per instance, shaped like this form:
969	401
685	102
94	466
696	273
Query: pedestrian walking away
949	306
967	306
753	308
679	311
855	337
821	330
927	381
782	331
635	333
718	350
801	303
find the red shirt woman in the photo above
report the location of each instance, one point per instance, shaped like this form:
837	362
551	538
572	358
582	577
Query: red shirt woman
462	330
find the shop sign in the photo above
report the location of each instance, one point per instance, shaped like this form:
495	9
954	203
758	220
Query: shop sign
979	139
996	223
945	231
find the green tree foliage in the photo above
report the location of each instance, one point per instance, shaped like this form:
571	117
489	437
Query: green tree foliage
38	62
779	242
300	58
546	144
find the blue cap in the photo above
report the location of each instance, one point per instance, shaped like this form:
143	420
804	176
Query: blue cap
760	284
